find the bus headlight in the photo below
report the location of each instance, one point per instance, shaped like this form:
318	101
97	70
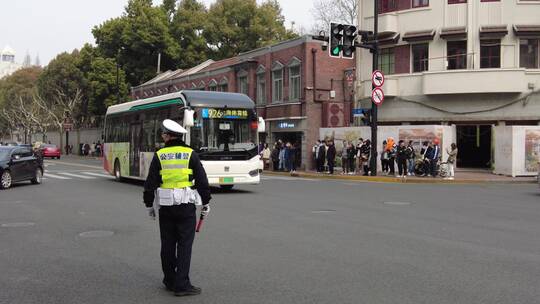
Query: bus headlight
254	173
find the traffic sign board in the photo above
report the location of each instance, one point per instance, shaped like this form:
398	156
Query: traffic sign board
67	126
377	78
377	96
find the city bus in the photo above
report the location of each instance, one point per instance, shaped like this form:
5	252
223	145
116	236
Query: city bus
222	128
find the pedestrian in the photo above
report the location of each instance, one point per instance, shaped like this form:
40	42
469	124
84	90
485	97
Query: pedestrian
411	158
391	149
358	157
425	161
172	172
281	156
315	152
93	149
401	159
432	157
292	157
322	157
98	148
452	158
351	156
265	154
344	158
366	156
331	156
86	149
275	157
384	158
287	157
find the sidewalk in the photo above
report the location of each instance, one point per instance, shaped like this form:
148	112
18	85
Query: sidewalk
463	176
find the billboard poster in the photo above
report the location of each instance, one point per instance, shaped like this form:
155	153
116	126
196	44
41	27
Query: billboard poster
420	135
532	150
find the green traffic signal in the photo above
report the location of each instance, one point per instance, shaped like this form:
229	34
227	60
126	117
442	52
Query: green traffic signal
335	51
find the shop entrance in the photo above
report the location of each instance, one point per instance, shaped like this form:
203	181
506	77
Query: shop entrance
474	144
295	138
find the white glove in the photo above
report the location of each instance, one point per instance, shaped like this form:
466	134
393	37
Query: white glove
151	212
205	211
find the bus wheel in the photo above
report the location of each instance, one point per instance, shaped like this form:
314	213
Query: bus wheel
226	187
117	172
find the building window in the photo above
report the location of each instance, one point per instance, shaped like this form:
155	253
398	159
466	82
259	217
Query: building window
212	85
261	88
294	80
490	54
420	3
243	84
223	85
457	55
277	85
420	54
387	61
456	1
529	53
386	6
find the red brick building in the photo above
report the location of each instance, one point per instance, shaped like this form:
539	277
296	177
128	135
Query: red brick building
297	87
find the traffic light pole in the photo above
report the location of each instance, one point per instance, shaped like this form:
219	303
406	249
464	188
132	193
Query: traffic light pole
375	52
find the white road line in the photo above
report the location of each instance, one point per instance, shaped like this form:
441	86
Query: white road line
55	176
98	174
286	178
76	175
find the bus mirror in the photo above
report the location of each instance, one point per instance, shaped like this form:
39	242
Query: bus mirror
261	126
189	120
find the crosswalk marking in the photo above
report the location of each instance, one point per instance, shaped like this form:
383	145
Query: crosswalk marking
98	174
77	175
55	176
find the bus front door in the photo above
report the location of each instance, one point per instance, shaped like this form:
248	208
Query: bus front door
134	149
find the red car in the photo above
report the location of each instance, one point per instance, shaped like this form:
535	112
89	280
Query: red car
51	151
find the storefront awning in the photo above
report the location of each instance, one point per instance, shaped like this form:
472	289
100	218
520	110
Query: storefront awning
529	31
459	32
493	31
425	35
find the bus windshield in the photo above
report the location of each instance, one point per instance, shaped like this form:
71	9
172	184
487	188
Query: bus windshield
224	133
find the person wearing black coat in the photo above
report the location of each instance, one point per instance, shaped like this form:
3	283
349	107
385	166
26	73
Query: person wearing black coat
275	157
401	158
365	153
331	157
321	157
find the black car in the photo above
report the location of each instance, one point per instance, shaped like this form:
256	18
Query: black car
19	164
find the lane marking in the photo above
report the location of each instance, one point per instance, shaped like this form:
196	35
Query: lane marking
76	175
74	164
55	176
98	174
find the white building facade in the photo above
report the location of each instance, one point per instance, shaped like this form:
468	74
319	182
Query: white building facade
7	62
474	64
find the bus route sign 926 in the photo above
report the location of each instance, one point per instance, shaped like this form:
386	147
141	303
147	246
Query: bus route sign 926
224	113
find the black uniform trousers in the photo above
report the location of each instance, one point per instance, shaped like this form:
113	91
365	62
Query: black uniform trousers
177	230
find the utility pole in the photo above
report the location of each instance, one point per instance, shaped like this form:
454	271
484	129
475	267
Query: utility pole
375	52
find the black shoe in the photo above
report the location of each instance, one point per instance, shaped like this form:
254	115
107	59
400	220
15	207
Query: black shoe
191	291
168	287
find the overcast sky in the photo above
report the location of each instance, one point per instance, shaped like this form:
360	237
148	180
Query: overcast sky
50	27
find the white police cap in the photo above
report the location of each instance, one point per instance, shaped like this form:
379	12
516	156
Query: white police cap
171	126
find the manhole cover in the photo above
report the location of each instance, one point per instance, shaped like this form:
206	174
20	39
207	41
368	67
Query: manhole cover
95	234
397	203
15	225
323	211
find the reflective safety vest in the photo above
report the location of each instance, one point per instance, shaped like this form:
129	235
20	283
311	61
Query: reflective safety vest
175	170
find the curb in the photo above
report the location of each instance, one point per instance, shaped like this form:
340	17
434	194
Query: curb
397	180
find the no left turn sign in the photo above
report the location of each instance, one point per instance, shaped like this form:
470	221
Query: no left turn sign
377	78
377	96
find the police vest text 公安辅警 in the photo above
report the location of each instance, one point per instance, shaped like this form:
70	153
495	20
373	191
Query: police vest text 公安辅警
175	170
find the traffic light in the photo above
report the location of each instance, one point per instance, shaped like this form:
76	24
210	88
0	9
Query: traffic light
349	37
336	40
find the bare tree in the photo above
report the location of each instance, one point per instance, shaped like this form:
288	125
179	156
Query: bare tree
63	108
326	11
26	117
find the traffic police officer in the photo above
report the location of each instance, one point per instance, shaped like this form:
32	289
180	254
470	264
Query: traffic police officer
174	168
